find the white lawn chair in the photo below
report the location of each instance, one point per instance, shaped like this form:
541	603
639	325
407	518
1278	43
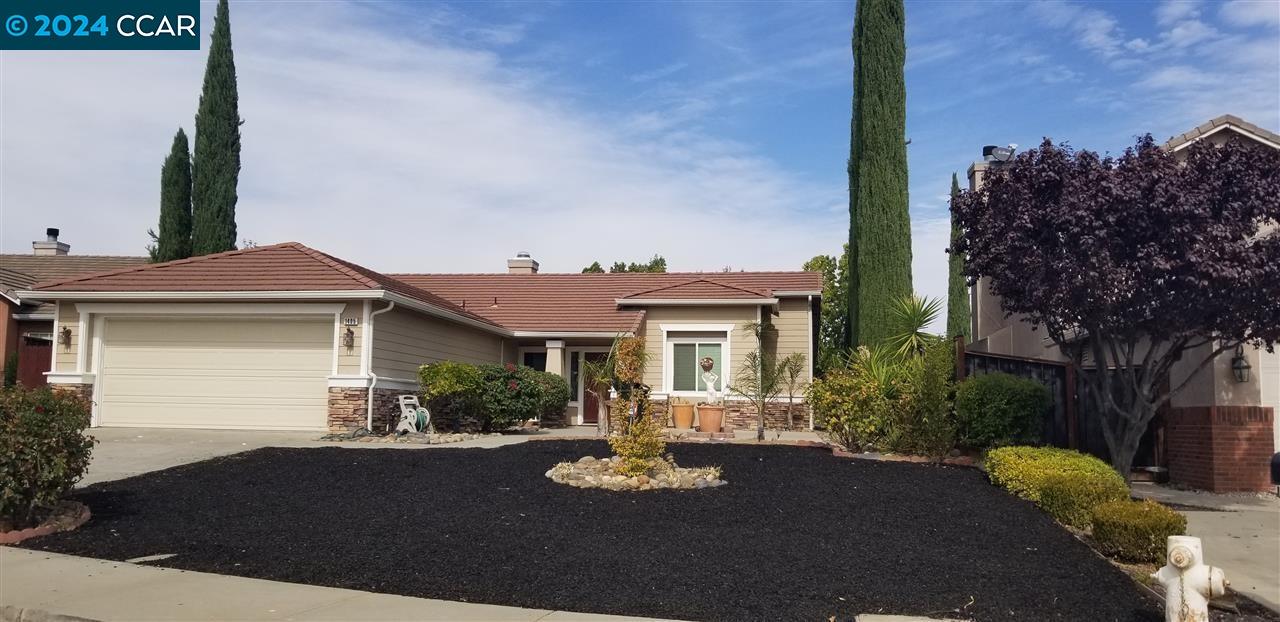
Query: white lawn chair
413	417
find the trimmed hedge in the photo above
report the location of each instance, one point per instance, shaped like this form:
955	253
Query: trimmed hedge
1023	470
1136	531
1071	497
1000	409
43	451
490	397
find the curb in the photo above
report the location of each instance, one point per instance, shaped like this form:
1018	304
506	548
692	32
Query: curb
9	613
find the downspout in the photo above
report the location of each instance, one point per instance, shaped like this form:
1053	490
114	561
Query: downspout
368	329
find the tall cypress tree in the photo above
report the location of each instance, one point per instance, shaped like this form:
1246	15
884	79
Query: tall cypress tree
880	223
174	239
217	153
957	288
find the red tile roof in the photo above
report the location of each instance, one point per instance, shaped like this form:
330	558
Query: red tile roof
697	289
521	302
286	267
587	302
47	267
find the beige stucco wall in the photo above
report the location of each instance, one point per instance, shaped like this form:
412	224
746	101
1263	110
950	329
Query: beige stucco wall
349	358
740	341
1215	384
64	357
403	340
791	321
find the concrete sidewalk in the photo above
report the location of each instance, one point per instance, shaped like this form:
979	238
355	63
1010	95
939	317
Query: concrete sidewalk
1240	533
105	590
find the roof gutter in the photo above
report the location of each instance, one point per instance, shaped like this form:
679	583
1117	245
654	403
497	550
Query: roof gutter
433	310
49	295
552	334
359	294
694	302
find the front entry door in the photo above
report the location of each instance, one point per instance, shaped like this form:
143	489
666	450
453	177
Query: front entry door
590	403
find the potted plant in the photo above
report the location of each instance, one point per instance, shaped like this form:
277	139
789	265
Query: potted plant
682	413
710	412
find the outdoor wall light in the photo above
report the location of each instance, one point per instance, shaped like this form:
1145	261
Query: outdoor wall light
64	337
1240	365
349	339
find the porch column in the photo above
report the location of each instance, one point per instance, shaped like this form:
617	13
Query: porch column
555	357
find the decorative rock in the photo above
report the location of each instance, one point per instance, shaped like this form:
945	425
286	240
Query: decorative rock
590	472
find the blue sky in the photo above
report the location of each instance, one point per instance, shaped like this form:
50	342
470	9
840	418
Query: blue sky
445	137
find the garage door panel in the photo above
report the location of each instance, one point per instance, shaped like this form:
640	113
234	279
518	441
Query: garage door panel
213	416
260	373
198	388
143	360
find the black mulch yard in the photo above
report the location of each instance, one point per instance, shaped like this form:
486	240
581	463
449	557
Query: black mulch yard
796	535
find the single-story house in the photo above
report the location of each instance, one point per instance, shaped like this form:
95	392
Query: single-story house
26	331
288	337
1214	425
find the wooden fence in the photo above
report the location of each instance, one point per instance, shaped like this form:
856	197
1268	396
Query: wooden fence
1062	427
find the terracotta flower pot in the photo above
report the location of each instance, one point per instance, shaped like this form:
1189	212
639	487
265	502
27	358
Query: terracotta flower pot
710	418
683	415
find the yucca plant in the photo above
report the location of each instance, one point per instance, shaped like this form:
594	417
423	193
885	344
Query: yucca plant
912	316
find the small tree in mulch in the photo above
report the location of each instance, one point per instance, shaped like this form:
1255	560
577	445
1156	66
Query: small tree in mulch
43	452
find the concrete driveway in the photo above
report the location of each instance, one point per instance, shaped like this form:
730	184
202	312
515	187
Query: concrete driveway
125	452
1240	533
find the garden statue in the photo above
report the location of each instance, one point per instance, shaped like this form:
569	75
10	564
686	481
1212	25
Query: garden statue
709	378
1188	582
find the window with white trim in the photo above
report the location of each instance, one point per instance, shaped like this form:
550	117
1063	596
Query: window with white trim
687	349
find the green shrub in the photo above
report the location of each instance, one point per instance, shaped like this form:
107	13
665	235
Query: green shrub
490	397
1136	531
451	391
1071	497
854	405
1023	470
923	423
11	369
639	447
1000	409
43	451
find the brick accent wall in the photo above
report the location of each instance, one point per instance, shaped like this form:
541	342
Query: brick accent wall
741	415
85	391
1220	448
347	408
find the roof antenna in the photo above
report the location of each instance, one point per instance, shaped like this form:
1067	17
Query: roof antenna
495	301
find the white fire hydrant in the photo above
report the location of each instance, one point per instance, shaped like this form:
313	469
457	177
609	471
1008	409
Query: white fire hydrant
1188	582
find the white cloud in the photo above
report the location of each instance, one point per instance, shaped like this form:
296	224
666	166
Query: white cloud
1172	11
400	152
1250	12
660	72
929	240
1095	30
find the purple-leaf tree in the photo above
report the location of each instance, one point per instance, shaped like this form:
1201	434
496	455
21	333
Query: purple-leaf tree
1135	261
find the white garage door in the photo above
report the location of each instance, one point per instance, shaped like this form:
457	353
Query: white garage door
250	373
1270	379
